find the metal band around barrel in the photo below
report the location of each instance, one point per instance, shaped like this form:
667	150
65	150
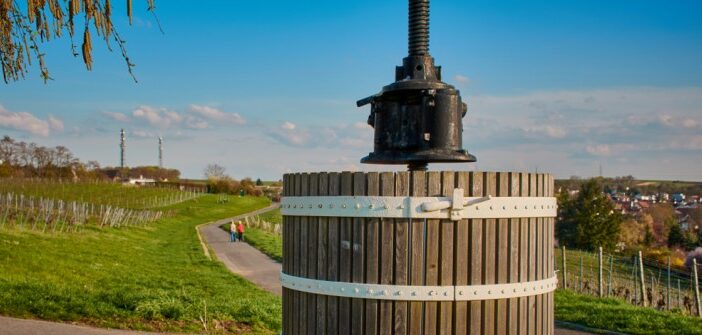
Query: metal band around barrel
419	293
454	208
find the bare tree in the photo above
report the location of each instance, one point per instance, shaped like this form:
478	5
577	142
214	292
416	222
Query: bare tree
23	29
214	171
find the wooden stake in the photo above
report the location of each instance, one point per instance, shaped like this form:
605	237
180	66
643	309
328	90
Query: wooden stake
580	288
643	284
600	284
564	269
667	304
609	284
697	287
636	281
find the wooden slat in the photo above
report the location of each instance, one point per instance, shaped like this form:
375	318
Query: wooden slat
372	256
446	255
358	257
401	256
532	318
462	261
502	258
322	255
387	233
489	259
539	260
431	270
523	256
512	319
297	191
345	257
551	245
302	247
477	189
287	317
417	188
333	260
311	232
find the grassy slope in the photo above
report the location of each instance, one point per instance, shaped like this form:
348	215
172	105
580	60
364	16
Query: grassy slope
617	315
153	278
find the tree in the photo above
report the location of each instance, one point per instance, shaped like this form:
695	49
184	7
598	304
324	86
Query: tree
676	238
589	220
630	232
214	171
259	182
23	30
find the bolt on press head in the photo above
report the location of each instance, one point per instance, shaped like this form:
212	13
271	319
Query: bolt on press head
418	118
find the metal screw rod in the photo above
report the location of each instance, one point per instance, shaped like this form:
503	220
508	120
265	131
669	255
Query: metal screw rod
418	27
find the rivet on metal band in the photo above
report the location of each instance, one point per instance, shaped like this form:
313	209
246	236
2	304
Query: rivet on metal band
419	293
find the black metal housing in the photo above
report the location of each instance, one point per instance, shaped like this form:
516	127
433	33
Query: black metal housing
418	118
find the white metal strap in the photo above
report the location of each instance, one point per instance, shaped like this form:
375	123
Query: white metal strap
418	293
455	208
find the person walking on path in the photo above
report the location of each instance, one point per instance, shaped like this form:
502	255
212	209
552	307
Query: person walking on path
232	232
240	231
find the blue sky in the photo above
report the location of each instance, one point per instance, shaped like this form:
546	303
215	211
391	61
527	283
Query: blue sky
264	88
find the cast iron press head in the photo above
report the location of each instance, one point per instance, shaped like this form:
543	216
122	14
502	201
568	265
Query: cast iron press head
418	118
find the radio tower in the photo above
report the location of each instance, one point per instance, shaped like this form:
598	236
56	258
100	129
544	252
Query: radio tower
160	152
122	147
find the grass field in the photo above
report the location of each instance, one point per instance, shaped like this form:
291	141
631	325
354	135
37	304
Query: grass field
617	315
150	278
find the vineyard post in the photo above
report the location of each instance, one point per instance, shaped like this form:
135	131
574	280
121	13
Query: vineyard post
609	284
600	286
580	288
678	293
635	280
653	291
643	284
564	269
668	287
697	287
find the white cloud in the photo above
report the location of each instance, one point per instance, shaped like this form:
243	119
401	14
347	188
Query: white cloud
461	79
362	126
599	150
121	117
689	123
666	119
212	113
55	124
143	134
288	125
550	131
196	123
27	122
158	117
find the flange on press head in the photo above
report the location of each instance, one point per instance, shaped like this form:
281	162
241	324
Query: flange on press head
418	118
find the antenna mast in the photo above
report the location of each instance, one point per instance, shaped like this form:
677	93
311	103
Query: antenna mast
122	147
160	152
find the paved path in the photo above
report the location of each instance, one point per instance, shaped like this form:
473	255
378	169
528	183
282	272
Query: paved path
241	258
12	326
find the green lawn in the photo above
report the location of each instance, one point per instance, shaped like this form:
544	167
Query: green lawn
152	278
617	315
